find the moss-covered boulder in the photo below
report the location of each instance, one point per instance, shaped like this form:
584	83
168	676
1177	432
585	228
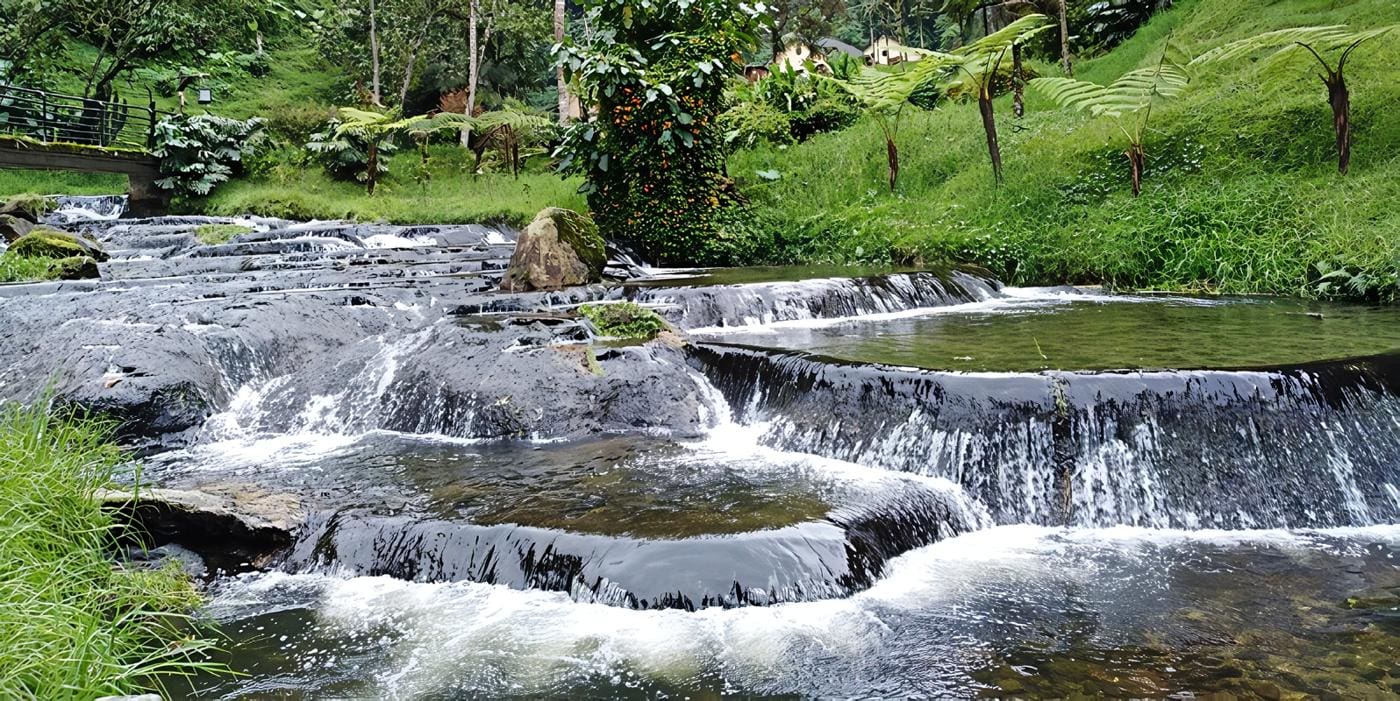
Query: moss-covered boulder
51	243
31	208
13	227
561	248
76	268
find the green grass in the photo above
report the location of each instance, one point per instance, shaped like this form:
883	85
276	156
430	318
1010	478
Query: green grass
16	269
74	624
59	182
451	195
1242	193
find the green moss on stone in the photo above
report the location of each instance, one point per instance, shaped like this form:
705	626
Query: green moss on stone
581	234
215	234
76	268
625	320
47	243
28	206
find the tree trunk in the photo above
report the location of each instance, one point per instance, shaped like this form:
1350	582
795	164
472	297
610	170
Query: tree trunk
559	19
989	125
374	54
373	164
474	57
1137	161
1018	85
892	155
1064	41
1340	99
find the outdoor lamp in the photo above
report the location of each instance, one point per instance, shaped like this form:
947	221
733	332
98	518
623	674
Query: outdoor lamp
206	96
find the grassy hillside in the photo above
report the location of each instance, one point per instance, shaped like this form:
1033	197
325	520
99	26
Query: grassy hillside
451	195
1242	193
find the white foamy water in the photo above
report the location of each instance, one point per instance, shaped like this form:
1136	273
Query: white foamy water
940	603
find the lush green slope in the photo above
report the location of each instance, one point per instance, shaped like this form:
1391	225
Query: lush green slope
451	195
1242	195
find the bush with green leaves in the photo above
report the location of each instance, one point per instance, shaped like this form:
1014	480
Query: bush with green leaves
654	160
624	320
198	153
750	123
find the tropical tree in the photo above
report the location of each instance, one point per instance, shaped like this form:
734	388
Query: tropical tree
1317	41
1128	101
978	65
971	69
654	159
353	144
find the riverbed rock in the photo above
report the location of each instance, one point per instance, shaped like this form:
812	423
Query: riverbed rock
31	208
13	227
43	242
560	248
214	527
77	268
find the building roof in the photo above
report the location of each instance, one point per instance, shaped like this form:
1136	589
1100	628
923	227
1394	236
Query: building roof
830	44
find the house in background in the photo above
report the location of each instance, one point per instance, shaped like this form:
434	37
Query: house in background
888	52
796	55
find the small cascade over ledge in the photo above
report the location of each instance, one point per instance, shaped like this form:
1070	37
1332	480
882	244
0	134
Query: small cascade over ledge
1312	445
712	301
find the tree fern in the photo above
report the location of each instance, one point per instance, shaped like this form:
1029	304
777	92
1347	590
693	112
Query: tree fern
1128	101
1316	41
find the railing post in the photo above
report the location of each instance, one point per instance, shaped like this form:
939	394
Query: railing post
44	124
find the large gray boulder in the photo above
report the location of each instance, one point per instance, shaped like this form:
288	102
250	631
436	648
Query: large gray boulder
561	248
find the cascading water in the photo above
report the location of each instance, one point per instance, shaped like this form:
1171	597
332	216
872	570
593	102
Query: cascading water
907	484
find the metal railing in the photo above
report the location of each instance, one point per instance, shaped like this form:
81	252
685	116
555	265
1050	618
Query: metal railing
53	118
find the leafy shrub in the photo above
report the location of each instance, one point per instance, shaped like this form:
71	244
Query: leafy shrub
624	320
749	124
827	113
198	153
654	161
295	122
345	154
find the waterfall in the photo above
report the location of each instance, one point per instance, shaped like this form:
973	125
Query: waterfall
1307	446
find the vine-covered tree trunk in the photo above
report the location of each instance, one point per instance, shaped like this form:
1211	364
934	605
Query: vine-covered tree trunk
989	125
559	18
1340	99
1018	84
374	53
1137	160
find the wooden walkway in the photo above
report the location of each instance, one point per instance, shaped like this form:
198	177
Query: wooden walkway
48	131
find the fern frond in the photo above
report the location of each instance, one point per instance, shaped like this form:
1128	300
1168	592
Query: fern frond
1018	32
1134	91
1282	41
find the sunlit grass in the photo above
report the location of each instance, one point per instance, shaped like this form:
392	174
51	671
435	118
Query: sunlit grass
75	624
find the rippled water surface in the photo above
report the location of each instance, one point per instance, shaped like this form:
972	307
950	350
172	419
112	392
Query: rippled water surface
1031	330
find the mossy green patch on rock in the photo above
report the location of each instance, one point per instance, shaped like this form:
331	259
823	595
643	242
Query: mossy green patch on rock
560	248
47	243
625	320
215	234
29	207
76	268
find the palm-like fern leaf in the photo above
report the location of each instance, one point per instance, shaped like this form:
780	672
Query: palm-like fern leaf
1135	90
1284	41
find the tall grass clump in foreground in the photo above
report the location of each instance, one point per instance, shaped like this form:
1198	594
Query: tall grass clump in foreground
75	624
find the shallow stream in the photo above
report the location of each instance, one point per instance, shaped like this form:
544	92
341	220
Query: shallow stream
853	483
